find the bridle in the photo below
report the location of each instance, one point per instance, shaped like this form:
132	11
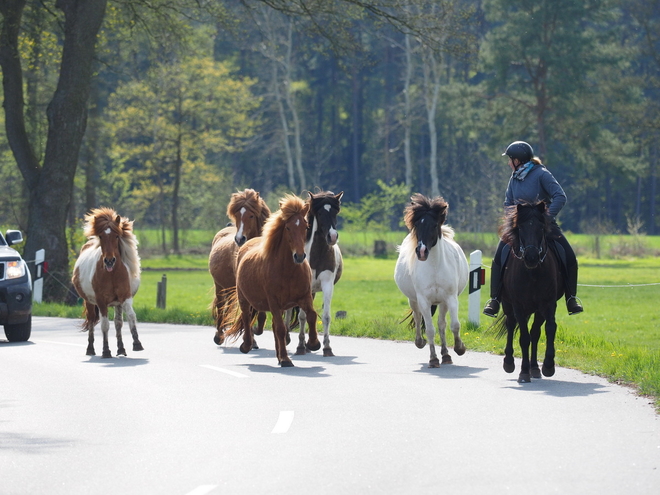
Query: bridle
543	248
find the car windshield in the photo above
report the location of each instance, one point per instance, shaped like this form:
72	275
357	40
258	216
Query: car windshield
2	240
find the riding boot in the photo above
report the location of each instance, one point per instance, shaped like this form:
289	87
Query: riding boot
493	305
572	303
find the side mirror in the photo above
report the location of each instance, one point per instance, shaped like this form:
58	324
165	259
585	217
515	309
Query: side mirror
14	237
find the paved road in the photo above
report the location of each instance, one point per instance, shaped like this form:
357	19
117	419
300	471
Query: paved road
188	417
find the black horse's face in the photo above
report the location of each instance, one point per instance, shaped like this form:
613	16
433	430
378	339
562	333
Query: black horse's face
531	237
427	231
325	211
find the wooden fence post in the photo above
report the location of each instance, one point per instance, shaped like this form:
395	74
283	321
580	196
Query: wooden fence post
161	293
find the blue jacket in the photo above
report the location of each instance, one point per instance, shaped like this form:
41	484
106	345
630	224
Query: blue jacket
538	185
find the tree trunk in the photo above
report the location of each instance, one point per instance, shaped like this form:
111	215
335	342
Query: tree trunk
50	185
407	118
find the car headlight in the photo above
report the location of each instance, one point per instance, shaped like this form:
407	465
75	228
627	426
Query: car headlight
15	269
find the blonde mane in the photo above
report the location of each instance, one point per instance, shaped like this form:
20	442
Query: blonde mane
290	205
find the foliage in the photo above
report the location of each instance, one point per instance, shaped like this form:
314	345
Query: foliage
376	210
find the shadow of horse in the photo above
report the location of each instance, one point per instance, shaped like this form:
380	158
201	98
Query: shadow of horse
455	371
124	362
560	388
313	372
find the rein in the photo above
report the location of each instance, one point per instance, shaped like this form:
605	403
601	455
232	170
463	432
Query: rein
542	251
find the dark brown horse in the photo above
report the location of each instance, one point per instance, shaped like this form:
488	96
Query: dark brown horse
248	212
531	285
107	273
273	275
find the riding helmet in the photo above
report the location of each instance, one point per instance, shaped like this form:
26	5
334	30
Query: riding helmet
520	150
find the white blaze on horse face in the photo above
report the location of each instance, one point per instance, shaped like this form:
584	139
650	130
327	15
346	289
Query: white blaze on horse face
108	230
239	233
297	222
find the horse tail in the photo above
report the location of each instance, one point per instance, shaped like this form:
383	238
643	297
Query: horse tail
232	314
499	326
90	320
411	323
220	306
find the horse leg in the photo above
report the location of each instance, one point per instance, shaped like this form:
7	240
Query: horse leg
105	327
119	322
328	289
132	324
455	325
535	334
246	318
548	368
524	340
261	323
90	312
420	341
430	334
279	331
301	350
442	331
510	322
313	343
219	314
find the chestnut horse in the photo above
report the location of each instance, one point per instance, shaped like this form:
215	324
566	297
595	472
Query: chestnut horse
273	275
431	271
324	258
107	273
531	284
248	212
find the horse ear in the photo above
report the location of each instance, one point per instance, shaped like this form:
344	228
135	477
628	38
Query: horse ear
541	206
311	196
339	196
306	208
118	220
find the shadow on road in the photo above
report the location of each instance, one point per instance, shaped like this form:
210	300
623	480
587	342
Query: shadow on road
559	388
313	372
14	344
117	362
450	371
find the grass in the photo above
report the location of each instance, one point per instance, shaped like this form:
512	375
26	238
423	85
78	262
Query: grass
618	335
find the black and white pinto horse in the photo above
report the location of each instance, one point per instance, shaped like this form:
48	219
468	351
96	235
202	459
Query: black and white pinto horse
324	258
431	271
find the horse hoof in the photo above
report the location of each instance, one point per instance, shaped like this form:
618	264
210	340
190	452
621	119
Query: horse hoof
420	343
257	331
286	364
219	338
254	345
328	353
245	349
548	370
121	352
288	338
524	378
90	352
509	367
434	363
460	350
535	372
106	354
315	346
301	350
138	347
446	359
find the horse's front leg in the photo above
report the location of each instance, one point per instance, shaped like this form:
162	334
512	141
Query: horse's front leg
535	335
279	332
105	327
455	325
246	319
548	368
327	286
442	331
132	323
510	323
524	340
420	341
425	309
307	308
301	350
119	322
90	310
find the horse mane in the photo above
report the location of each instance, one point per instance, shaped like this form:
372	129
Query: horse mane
514	216
252	201
100	219
290	205
319	199
420	205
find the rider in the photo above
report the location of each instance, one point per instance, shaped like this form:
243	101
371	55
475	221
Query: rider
531	182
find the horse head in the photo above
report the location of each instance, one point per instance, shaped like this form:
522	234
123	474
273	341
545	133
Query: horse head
531	223
288	228
248	211
324	208
424	218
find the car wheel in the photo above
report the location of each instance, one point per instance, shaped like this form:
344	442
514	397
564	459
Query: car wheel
19	332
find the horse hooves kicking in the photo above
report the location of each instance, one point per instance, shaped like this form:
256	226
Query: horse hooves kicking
328	353
509	367
524	378
420	343
137	347
301	350
245	349
459	350
106	354
548	370
434	363
258	331
446	359
535	372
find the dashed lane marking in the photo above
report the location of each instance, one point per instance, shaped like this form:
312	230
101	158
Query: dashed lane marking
60	343
283	422
202	490
222	370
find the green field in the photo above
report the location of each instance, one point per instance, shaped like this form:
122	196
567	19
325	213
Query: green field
618	335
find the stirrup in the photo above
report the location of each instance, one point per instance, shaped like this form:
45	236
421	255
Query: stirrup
492	308
574	305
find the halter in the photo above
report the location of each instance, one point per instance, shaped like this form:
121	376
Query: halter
522	249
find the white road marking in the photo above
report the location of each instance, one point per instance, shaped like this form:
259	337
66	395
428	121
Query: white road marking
283	422
60	343
202	490
222	370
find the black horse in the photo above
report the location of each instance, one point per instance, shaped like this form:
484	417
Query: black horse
531	285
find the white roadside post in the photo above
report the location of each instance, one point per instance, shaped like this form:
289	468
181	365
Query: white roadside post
476	280
38	284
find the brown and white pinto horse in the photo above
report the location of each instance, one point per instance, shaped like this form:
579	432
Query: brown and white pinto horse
107	273
248	213
273	275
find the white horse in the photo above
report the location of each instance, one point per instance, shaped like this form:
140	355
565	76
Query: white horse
431	271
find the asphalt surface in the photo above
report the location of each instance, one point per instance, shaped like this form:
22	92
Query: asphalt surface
185	416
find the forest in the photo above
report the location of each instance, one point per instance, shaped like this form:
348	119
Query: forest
161	109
